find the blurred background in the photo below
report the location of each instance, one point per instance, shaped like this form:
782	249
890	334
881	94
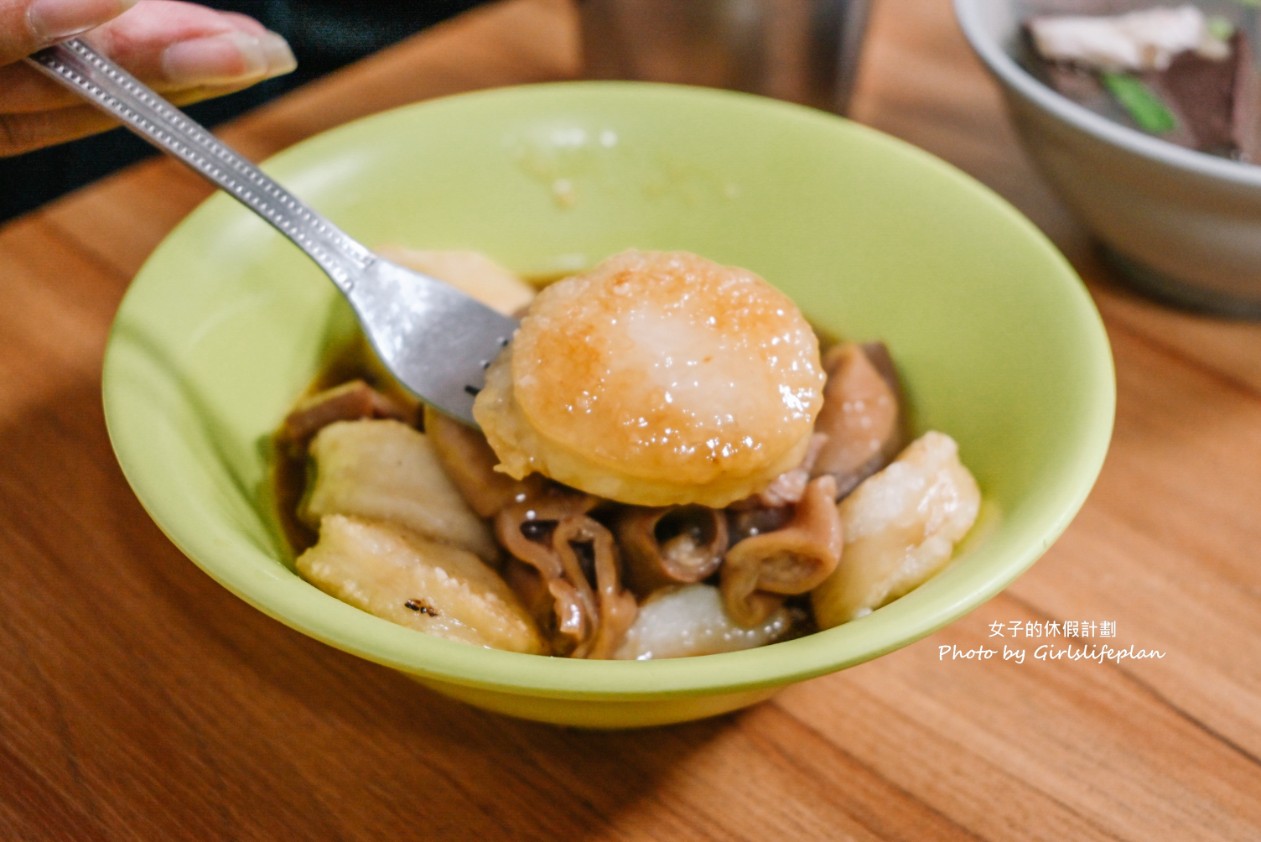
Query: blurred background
325	35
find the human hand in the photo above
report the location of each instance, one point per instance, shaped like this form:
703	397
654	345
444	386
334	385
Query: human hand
184	51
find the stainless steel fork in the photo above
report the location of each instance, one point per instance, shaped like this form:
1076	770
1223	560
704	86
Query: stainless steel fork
435	339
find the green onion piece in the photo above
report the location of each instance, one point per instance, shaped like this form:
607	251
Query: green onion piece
1219	28
1140	102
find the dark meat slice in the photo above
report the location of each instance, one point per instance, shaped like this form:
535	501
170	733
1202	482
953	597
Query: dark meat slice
1216	103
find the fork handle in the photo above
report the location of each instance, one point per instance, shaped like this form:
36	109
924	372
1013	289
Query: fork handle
99	80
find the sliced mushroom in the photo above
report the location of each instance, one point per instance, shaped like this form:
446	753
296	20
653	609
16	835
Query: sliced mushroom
861	415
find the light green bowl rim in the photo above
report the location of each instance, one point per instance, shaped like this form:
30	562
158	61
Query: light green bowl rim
293	602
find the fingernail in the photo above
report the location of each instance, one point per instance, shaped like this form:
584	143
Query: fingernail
231	57
280	58
53	20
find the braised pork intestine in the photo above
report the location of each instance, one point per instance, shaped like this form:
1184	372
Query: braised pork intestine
671	545
758	572
571	558
594	576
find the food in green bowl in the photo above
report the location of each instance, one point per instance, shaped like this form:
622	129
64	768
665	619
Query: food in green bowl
666	466
995	338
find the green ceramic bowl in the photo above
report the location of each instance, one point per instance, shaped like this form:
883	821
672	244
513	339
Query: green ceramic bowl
997	340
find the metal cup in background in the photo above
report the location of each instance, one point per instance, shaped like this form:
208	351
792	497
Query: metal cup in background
804	51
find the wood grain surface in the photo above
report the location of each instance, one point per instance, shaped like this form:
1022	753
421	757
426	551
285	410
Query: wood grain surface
139	700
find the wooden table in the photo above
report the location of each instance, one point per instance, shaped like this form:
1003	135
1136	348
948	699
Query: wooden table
140	700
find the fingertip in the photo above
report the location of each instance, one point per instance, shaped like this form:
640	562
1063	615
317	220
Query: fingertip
280	57
227	58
